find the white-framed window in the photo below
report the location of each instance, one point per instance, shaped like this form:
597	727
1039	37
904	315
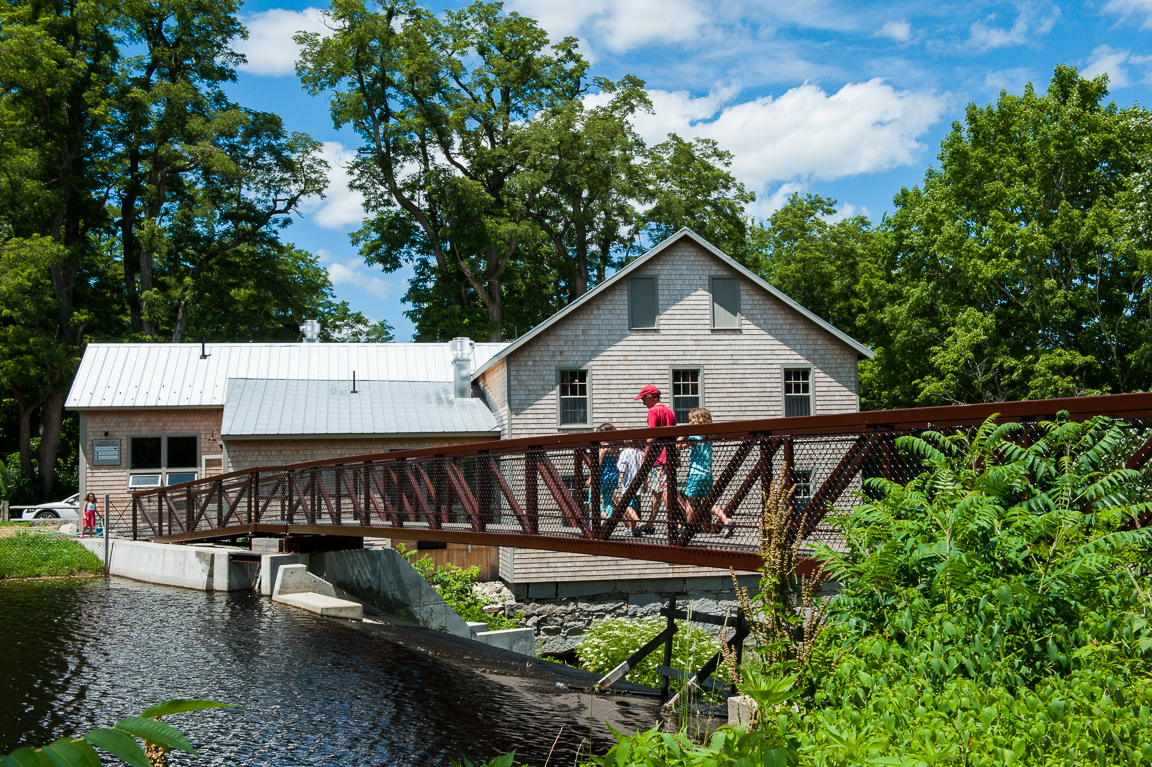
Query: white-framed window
162	459
725	302
797	392
643	305
574	403
802	479
687	392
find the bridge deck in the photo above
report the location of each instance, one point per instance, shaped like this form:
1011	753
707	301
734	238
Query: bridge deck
546	492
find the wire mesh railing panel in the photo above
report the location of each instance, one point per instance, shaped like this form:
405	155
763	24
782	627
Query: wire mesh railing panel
697	488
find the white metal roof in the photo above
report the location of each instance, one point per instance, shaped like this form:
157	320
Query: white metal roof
173	375
861	349
265	408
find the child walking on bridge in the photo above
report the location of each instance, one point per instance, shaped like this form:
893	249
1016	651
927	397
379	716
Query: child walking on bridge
698	482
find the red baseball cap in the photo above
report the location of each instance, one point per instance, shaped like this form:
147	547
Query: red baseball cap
647	391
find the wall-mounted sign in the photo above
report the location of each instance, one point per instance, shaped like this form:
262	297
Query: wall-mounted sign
105	452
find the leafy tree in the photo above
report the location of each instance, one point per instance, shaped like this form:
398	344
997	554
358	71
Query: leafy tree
1020	267
826	267
441	106
688	185
584	173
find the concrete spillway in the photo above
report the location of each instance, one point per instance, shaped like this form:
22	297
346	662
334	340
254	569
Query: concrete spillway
378	580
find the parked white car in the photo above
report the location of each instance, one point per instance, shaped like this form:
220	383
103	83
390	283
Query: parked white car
69	508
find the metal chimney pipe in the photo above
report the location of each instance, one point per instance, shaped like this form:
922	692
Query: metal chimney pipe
461	349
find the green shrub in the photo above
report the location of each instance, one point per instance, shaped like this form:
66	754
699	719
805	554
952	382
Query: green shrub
990	610
991	613
26	556
609	642
454	585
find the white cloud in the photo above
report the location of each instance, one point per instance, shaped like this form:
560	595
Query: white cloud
848	210
341	206
1031	22
1128	8
804	134
359	276
900	31
1105	60
269	48
1011	80
620	24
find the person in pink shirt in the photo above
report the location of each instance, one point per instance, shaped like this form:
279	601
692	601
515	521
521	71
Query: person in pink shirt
659	415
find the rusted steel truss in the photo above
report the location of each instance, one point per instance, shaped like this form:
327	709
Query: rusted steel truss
565	492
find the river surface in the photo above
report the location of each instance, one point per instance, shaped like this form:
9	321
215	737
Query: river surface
77	655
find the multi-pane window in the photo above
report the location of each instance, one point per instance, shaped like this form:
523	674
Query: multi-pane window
574	398
803	484
162	460
797	392
685	393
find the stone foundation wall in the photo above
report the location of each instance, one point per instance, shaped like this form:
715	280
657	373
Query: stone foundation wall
562	612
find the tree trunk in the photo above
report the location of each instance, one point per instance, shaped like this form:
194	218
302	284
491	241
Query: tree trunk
25	432
495	312
51	417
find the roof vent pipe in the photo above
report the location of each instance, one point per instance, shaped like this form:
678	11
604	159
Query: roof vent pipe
461	349
311	331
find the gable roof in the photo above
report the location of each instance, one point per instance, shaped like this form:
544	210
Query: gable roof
860	348
173	375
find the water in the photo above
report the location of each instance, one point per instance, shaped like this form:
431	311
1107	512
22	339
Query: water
309	690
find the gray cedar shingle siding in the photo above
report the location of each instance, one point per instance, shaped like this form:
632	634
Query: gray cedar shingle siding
742	369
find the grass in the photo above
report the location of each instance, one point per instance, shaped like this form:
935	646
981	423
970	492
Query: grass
31	556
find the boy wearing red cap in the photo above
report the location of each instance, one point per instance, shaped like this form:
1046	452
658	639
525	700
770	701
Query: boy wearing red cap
659	415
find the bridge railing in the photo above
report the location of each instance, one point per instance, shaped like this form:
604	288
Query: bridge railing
558	492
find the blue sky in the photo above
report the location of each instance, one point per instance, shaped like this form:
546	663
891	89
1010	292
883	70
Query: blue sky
849	100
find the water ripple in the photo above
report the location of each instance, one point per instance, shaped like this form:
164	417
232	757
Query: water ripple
80	655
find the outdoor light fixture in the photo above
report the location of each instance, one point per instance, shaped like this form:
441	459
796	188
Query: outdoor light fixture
211	437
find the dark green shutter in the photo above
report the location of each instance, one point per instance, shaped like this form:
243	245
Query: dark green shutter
642	302
726	302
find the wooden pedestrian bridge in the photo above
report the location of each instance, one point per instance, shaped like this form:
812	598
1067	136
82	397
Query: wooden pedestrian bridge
544	492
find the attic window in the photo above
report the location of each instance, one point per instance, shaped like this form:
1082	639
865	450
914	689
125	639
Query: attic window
642	302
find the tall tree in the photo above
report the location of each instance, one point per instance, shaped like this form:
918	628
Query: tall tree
197	176
56	59
441	106
688	185
584	174
825	266
1021	266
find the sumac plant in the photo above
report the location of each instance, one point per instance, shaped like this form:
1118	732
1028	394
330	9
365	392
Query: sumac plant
993	607
992	611
119	741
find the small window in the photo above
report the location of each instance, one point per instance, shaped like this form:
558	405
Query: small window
176	477
573	397
803	484
726	303
642	308
685	393
146	452
162	460
797	392
181	452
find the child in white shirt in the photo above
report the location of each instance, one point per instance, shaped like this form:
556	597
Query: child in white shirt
628	466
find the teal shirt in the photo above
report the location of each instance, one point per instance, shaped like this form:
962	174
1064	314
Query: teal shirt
699	460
